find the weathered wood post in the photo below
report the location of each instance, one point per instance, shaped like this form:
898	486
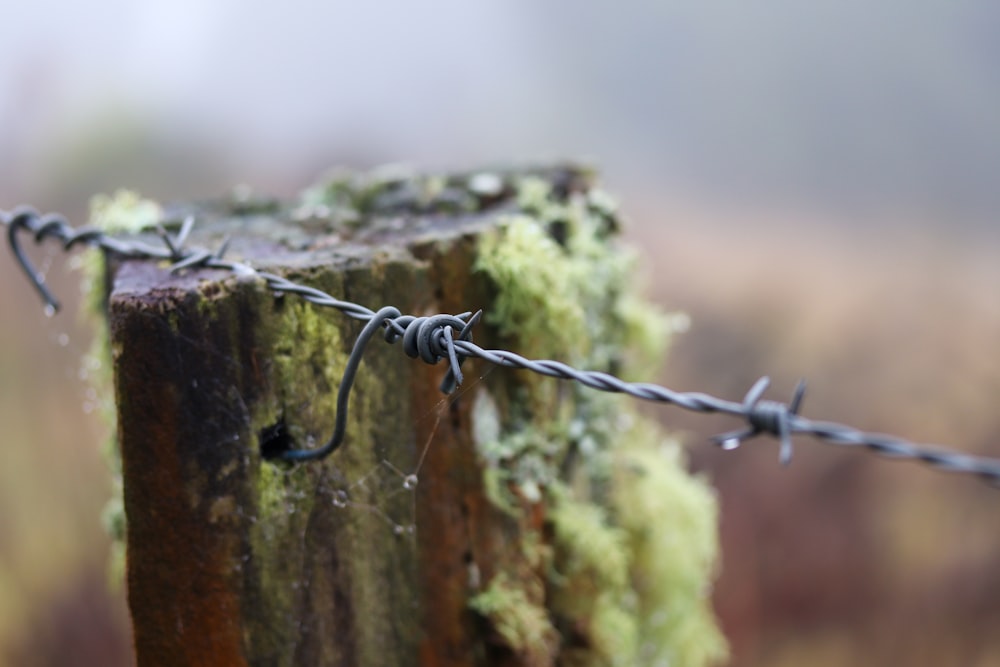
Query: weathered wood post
521	521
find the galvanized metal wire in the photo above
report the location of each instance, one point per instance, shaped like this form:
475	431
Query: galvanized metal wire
449	337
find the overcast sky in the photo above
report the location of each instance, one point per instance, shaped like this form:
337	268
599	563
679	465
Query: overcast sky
840	103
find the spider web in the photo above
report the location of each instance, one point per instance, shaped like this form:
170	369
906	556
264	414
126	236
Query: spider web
378	489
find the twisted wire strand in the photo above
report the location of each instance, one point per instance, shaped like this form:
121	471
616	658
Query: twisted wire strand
449	337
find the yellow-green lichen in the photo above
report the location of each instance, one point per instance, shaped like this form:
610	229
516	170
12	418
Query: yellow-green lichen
586	542
346	197
564	288
523	460
124	212
522	625
282	509
308	353
280	495
534	195
305	370
537	297
623	586
589	580
633	575
669	520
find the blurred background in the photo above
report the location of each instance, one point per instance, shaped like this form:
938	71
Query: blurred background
815	184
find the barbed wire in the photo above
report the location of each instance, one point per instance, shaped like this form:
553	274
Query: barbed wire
449	337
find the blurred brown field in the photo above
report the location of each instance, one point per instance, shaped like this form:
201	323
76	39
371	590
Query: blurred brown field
58	605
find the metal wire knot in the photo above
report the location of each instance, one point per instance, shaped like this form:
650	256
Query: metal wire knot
432	339
770	417
428	338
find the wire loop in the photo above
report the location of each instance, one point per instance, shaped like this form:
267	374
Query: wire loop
344	391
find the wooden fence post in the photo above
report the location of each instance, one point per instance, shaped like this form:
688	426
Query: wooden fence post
478	529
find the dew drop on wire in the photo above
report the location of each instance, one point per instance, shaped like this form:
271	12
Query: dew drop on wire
63	340
730	444
340	498
410	482
49	310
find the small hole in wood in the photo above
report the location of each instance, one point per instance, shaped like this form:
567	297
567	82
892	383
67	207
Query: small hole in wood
275	439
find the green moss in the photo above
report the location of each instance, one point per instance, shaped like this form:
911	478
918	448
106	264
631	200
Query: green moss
496	486
523	625
669	520
564	288
586	543
534	195
277	492
628	575
589	581
523	459
308	353
536	292
243	201
305	370
113	520
347	198
284	500
633	578
123	212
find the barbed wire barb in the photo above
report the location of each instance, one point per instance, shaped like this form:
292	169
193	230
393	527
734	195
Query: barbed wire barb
449	337
766	417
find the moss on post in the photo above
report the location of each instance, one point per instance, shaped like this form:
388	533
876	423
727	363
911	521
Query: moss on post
631	536
522	521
